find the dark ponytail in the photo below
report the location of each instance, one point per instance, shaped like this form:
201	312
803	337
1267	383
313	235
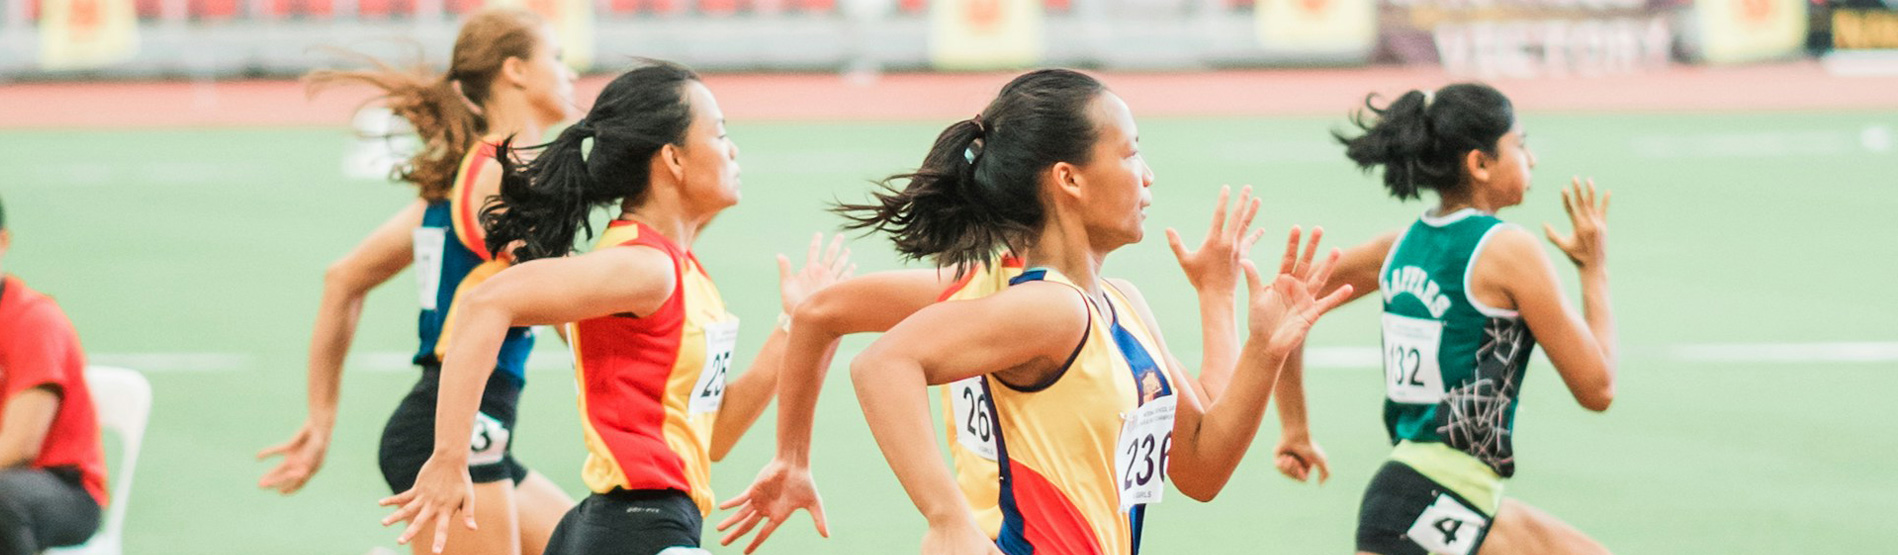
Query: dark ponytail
977	191
545	202
1421	138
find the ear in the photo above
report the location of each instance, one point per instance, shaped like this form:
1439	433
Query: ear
1477	164
514	70
672	159
1067	179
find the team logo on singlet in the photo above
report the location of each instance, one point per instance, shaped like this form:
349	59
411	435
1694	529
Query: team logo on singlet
1415	282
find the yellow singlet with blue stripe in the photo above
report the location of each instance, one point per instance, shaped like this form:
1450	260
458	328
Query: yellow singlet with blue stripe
968	423
1058	441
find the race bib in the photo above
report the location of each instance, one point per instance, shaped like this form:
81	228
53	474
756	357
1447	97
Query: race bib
721	338
488	443
1140	458
975	427
1448	528
1411	372
428	263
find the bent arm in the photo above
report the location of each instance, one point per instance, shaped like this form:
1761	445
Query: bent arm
872	303
1581	346
346	283
1029	330
27	419
615	280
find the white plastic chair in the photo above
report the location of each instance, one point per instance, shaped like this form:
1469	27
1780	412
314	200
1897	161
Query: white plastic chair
123	400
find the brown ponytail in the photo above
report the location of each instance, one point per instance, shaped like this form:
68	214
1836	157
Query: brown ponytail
444	109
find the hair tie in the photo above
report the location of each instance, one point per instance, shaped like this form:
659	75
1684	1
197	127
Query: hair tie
981	132
1429	97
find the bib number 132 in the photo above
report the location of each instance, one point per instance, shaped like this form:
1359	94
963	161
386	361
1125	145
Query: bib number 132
1411	372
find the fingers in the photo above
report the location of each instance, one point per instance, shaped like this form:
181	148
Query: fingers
1249	209
1591	193
817	517
1322	274
1331	301
275	450
1324	468
1291	252
744	526
468	512
733	502
1173	241
817	243
441	532
421	519
763	533
1219	211
1245	245
784	268
1311	249
1253	282
1605	197
836	247
1568	204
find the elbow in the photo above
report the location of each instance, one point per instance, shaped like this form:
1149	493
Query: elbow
1200	490
342	278
1599	401
820	313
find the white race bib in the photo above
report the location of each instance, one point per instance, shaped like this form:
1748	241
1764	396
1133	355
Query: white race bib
1447	528
428	263
1140	454
1411	372
975	427
721	338
488	442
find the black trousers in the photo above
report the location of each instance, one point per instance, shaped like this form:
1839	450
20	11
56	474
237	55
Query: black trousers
42	509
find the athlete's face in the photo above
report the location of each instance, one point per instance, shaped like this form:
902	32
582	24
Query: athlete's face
1506	175
548	81
709	158
1116	180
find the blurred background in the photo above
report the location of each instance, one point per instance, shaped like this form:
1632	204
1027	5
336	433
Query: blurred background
175	189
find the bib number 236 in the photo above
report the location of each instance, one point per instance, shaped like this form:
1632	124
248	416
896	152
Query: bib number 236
1141	457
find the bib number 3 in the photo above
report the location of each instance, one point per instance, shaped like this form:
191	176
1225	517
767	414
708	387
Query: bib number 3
1141	456
721	338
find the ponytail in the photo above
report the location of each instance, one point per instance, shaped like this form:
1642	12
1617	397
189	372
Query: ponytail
1421	138
977	191
602	159
444	120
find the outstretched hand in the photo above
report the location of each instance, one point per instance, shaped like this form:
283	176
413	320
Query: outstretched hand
780	489
1214	266
1283	311
1587	246
818	272
443	490
302	457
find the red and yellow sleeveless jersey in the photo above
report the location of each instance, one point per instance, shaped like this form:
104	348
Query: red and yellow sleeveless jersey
1058	442
651	384
966	418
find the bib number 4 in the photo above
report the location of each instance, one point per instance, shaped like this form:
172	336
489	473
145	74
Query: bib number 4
1447	527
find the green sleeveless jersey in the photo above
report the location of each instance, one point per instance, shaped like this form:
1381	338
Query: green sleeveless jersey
1452	366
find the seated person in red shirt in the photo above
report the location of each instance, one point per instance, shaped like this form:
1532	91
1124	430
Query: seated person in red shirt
52	468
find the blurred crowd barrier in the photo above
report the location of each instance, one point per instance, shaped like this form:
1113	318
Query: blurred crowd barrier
102	39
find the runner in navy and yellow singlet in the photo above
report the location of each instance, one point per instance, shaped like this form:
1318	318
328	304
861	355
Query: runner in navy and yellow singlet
876	302
651	337
507	63
1051	170
1466	298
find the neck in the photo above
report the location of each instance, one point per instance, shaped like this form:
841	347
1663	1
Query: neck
1452	202
510	118
666	216
1064	246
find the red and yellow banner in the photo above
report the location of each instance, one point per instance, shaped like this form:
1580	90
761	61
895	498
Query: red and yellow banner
573	22
81	34
985	34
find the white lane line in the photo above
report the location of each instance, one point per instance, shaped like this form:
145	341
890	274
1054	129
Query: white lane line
560	360
1861	352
